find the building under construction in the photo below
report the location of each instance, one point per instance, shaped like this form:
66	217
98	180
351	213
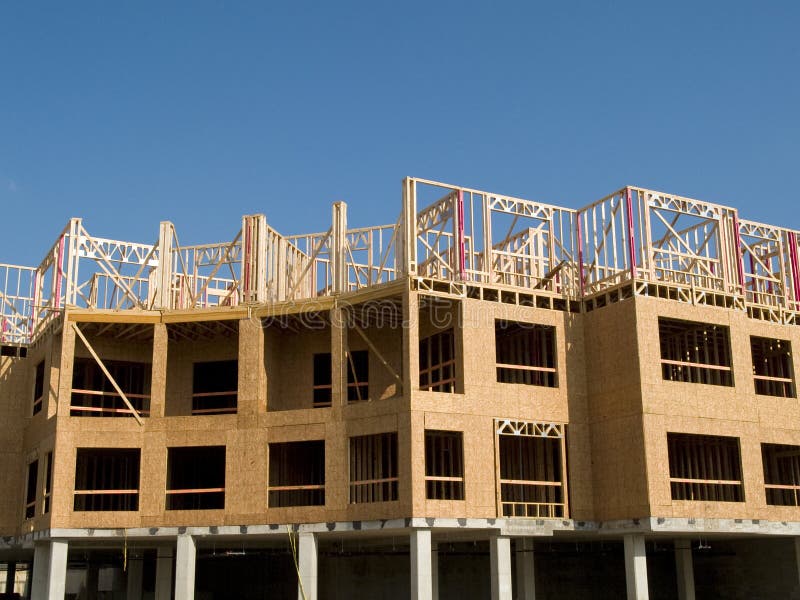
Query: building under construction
487	397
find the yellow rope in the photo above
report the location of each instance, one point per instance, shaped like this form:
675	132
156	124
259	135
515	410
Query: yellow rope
293	546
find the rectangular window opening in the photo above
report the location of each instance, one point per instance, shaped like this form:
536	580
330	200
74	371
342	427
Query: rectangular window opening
30	489
373	468
323	390
357	375
94	396
437	362
107	479
196	478
695	352
705	467
215	386
781	474
38	388
444	465
532	469
525	353
773	372
297	474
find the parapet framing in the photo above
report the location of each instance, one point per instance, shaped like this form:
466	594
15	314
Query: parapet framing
485	377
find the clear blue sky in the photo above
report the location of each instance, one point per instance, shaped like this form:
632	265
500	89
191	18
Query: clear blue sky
128	113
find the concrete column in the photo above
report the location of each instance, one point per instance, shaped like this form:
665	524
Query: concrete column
49	570
185	559
11	575
307	560
526	583
500	558
421	580
56	571
164	573
435	570
685	569
134	578
636	567
41	564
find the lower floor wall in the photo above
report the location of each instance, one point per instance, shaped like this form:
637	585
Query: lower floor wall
371	566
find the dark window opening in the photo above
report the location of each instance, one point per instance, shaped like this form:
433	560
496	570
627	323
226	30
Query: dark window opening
14	351
437	362
357	375
30	489
781	474
107	479
705	467
48	482
94	396
373	468
695	352
322	380
38	388
773	372
196	478
215	387
444	465
531	476
525	353
297	474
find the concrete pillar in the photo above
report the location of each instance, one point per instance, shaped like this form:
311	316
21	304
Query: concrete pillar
685	569
49	570
526	583
185	559
421	579
134	578
636	567
41	564
164	574
11	575
500	558
307	561
435	570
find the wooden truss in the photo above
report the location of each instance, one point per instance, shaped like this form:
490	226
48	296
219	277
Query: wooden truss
447	238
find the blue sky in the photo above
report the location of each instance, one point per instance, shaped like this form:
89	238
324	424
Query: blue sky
129	113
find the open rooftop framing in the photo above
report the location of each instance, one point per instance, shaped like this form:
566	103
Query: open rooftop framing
447	239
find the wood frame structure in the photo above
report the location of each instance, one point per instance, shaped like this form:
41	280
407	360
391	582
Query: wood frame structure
447	238
527	508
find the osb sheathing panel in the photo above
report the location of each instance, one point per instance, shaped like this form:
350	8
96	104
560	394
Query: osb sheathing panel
39	426
599	360
246	438
735	411
614	398
16	392
484	399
